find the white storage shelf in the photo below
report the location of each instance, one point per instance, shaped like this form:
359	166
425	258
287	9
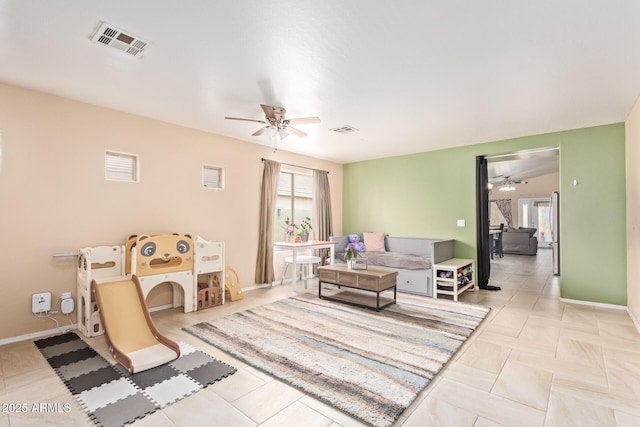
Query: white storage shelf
453	277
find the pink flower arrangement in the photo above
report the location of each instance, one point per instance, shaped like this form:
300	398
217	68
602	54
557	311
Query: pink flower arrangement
290	227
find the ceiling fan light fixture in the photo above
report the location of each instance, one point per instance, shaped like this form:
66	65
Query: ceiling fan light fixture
277	126
272	132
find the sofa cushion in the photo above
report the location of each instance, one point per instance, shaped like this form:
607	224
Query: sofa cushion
529	230
374	242
393	260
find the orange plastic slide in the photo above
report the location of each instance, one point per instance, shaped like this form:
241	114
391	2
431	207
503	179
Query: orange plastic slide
133	339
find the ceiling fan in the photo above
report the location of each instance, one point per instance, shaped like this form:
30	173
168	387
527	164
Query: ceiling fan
507	183
507	180
276	122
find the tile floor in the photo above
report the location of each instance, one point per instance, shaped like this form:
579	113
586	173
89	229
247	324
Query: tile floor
535	361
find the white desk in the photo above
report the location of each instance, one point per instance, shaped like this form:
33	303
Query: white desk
311	244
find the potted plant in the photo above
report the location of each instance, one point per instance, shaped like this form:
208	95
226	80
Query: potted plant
290	229
350	256
305	227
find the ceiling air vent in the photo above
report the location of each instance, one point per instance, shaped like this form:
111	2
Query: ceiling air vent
344	129
109	35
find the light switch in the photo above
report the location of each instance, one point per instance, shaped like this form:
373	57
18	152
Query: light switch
461	223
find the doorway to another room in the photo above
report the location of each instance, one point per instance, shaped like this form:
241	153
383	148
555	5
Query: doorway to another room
520	188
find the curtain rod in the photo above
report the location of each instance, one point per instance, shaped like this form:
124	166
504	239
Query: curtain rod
296	166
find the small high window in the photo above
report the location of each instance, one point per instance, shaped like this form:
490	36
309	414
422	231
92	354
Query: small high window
121	167
212	177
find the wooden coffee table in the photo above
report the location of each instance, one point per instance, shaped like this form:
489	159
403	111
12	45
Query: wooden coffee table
371	280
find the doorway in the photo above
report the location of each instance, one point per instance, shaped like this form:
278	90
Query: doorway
505	179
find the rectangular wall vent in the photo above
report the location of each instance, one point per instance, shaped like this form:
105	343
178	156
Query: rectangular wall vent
110	35
345	129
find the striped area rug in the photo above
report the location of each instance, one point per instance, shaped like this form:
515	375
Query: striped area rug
370	365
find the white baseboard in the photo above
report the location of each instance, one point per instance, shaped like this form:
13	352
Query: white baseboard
276	283
594	304
254	287
633	318
39	334
160	307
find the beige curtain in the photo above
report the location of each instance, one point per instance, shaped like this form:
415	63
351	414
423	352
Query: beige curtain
322	223
264	262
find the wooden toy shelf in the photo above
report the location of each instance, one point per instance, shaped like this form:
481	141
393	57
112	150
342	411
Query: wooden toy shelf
453	277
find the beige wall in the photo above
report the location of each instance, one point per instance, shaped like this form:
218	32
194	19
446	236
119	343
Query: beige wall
54	198
541	186
632	156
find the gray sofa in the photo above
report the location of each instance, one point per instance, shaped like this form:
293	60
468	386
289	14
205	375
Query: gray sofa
411	257
519	241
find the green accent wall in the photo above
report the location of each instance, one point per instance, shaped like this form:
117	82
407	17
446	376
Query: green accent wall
424	194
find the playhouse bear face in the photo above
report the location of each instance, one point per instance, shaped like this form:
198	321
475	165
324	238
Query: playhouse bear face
163	253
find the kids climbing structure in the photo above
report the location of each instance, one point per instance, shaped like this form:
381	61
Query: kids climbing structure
101	263
132	337
154	259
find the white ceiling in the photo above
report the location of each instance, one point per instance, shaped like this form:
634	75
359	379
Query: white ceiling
523	165
411	75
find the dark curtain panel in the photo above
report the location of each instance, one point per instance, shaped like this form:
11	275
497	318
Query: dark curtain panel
268	195
483	269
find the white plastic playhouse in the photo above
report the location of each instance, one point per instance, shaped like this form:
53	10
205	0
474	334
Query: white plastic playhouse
162	258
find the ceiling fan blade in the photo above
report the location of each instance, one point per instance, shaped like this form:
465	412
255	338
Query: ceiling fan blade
259	131
268	111
296	132
304	120
246	120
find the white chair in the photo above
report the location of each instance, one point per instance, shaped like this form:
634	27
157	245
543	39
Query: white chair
303	262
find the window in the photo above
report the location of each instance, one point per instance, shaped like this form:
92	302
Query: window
212	177
294	201
121	167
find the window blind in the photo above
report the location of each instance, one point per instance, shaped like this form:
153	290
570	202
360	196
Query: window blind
212	177
121	167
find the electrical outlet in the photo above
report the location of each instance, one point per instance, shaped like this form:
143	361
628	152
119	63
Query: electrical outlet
66	295
41	302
